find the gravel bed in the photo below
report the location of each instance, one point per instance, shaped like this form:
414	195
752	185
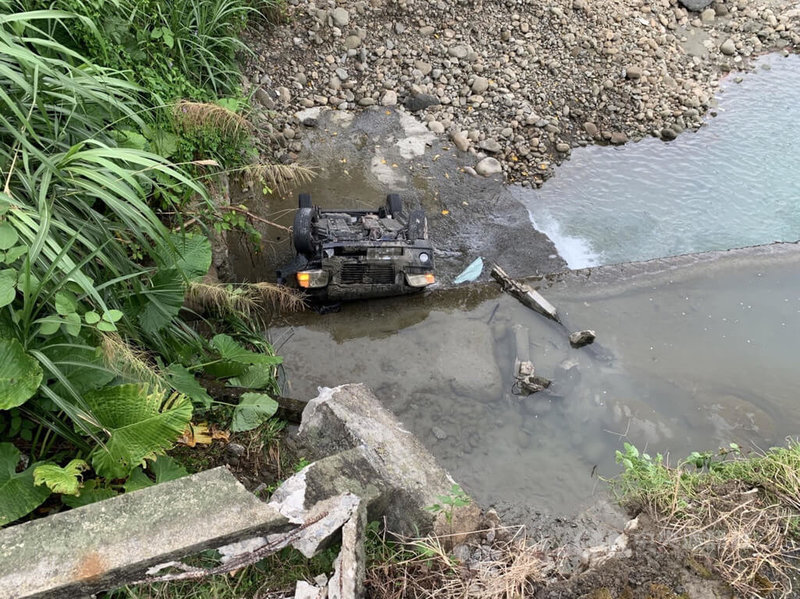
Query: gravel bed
517	83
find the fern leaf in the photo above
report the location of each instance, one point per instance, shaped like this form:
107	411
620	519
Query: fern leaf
140	423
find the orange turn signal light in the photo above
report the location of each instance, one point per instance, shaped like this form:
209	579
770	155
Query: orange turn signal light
304	279
430	279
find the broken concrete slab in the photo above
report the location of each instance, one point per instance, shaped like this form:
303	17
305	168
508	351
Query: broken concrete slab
350	566
348	471
524	293
109	543
407	477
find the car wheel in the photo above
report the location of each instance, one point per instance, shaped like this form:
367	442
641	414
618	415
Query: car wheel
302	234
394	204
417	225
305	200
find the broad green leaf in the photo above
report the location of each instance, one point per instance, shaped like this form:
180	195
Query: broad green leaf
184	382
73	324
18	495
91	317
15	253
66	480
253	410
232	351
169	39
20	374
140	423
164	143
106	327
81	365
112	315
49	326
8	284
257	376
132	139
66	303
166	469
92	491
192	254
164	301
137	480
8	236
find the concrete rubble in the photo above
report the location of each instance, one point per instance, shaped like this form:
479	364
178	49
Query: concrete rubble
373	469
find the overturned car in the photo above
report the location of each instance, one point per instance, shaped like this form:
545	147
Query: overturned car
355	254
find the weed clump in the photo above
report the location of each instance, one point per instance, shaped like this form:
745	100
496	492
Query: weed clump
740	514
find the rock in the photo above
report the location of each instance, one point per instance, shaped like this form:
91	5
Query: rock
351	42
562	147
728	47
423	67
695	5
340	17
633	72
618	138
417	102
342	74
389	467
708	15
491	145
427	30
458	51
591	129
668	134
366	101
284	95
581	338
436	127
439	433
460	141
480	85
264	98
389	98
488	166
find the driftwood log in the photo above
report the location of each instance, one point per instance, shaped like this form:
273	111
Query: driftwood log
524	293
289	409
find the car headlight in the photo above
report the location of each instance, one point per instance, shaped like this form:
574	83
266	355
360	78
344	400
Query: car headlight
312	278
424	257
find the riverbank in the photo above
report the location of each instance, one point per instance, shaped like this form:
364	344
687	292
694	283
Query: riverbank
526	85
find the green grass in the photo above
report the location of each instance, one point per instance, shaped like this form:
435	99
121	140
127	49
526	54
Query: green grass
739	513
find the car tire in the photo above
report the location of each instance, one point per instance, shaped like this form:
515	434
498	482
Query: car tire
394	204
417	225
304	200
302	234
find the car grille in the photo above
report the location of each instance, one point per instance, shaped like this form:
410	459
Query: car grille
375	274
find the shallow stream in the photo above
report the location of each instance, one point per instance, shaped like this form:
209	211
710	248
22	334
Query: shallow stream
733	183
692	353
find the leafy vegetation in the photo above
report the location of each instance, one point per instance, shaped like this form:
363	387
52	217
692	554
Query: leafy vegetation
98	366
740	514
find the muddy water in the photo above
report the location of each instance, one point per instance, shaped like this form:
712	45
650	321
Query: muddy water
692	353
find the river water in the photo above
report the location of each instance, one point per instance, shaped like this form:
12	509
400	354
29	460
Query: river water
733	183
692	353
